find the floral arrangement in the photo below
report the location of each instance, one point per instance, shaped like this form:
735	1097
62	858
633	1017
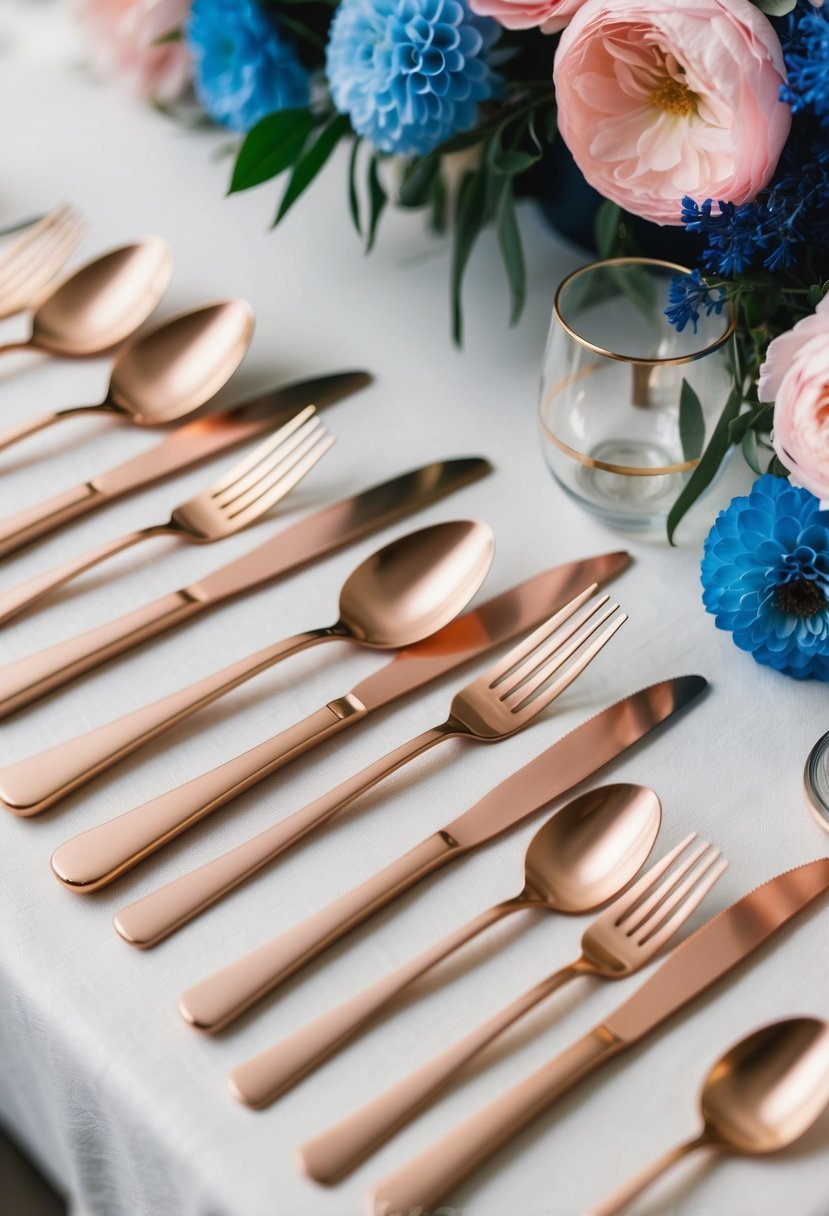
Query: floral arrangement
697	129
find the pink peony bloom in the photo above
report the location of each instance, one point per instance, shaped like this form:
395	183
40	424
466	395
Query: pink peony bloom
125	35
662	98
795	376
550	15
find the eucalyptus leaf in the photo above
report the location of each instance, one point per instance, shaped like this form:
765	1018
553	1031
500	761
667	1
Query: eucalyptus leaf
271	147
776	8
470	211
353	197
710	461
750	453
377	201
691	422
606	228
311	161
512	251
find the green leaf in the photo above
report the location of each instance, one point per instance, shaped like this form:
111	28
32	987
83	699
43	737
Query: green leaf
776	8
512	251
271	147
511	162
816	293
353	197
750	453
310	163
470	213
551	124
777	467
710	461
746	422
417	186
377	201
691	422
606	228
170	37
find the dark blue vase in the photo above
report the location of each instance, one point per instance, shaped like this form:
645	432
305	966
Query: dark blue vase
569	205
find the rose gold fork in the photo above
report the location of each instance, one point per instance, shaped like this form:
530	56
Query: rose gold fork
496	705
619	943
233	503
29	264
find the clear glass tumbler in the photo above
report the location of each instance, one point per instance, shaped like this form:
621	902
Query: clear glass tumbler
615	371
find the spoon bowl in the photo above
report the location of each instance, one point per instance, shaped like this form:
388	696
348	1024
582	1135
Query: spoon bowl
104	302
588	852
768	1090
178	366
760	1097
415	585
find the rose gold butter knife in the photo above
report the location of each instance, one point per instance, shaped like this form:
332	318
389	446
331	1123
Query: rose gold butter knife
186	446
704	958
340	524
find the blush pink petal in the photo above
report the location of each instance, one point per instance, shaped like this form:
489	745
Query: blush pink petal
795	376
550	16
124	37
661	98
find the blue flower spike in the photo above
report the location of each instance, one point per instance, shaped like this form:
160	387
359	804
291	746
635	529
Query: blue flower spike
410	73
243	68
765	577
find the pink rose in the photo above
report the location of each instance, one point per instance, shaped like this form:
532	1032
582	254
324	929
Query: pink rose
125	44
550	15
795	376
662	98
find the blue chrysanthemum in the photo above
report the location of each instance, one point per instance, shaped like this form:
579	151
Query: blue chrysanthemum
243	68
410	73
765	576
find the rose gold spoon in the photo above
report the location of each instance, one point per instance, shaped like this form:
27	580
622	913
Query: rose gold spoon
761	1096
102	303
165	373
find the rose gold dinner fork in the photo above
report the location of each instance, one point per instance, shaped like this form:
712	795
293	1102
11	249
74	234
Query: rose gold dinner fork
28	265
618	944
232	503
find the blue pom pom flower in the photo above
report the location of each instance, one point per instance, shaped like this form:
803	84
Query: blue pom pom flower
242	67
410	73
765	576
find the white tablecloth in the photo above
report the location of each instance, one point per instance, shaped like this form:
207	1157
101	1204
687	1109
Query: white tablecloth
124	1105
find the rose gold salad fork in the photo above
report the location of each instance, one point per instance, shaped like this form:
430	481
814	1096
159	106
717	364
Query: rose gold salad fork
618	944
28	264
232	503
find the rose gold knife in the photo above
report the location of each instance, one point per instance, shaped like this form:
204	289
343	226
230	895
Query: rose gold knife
325	531
222	997
186	446
98	856
704	958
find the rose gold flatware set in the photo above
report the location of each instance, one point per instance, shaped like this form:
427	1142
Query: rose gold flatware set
414	596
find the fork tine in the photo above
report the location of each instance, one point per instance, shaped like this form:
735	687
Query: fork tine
269	461
561	647
532	705
638	916
286	482
625	903
673	890
27	279
28	260
33	234
259	483
260	451
510	661
702	884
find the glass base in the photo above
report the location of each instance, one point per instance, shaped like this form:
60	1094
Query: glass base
817	780
627	502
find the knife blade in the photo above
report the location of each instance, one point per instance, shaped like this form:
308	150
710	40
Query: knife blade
709	954
317	535
186	446
221	998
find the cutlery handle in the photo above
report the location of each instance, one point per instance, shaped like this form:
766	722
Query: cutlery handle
31	426
434	1173
27	525
149	920
13	602
96	857
620	1200
267	1076
33	676
335	1153
31	785
222	997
